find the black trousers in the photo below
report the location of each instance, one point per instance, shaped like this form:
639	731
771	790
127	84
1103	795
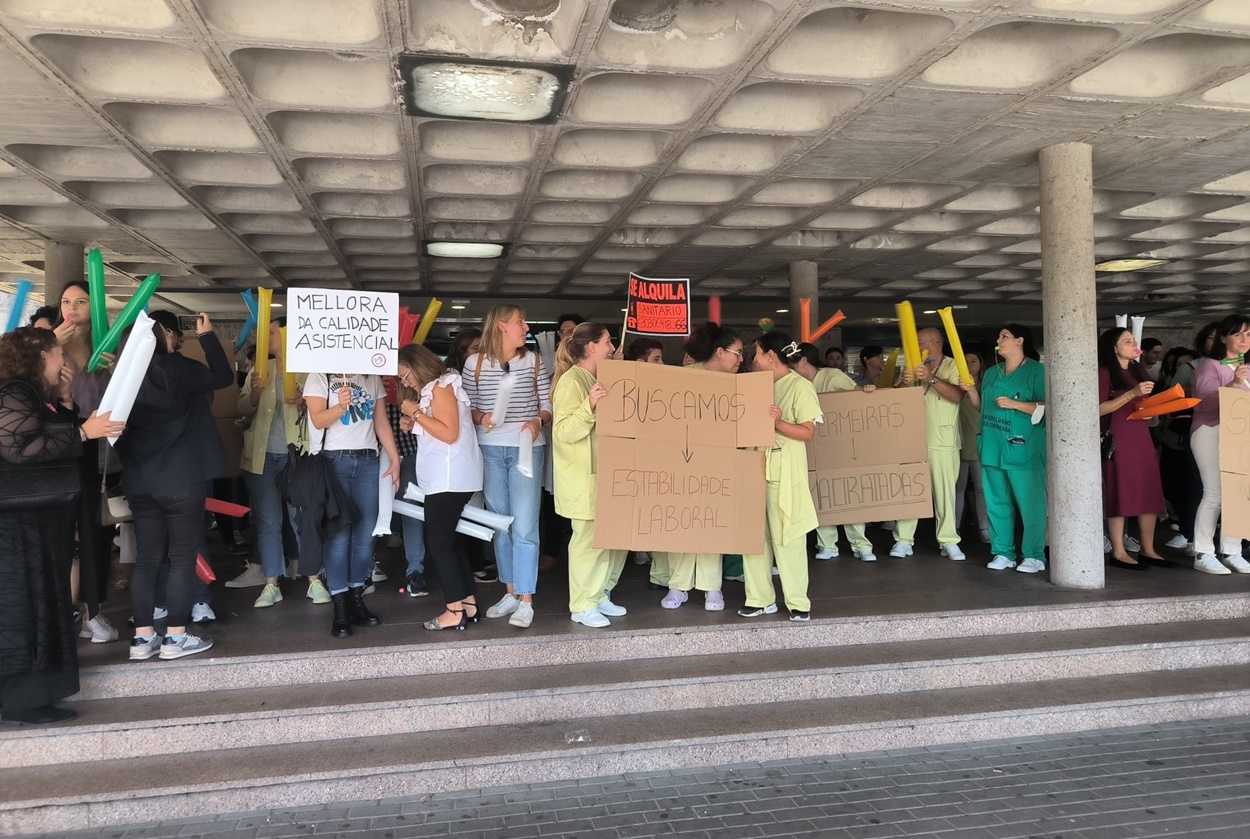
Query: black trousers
446	549
167	526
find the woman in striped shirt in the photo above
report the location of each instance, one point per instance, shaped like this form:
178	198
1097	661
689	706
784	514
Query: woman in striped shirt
504	364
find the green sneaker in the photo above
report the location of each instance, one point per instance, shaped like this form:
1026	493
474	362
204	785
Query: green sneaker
317	592
269	595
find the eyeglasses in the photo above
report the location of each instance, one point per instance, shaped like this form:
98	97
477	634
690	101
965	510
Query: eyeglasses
735	352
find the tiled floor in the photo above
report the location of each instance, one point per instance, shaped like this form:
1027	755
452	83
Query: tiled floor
840	587
1183	779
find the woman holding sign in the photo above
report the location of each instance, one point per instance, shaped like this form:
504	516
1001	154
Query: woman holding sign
349	411
791	513
509	390
1224	366
573	438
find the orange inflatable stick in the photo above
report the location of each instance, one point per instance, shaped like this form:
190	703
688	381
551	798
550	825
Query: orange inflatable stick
1169	395
1166	408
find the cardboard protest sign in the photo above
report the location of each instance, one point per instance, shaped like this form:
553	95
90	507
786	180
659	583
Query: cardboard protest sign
658	307
869	460
1235	462
673	475
330	331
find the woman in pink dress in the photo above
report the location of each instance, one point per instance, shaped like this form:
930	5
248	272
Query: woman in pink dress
1131	485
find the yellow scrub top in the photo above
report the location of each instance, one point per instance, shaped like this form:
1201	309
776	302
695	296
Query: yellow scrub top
942	415
574	445
832	380
787	459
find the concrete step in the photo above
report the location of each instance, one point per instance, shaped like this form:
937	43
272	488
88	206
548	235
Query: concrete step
98	793
224	719
435	654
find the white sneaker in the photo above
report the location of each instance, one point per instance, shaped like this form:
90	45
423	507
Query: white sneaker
776	571
673	599
99	630
1106	545
1177	543
379	576
253	576
826	553
900	550
1000	563
202	612
523	616
592	618
187	645
1237	562
952	552
1130	544
607	607
506	606
1031	566
866	556
1209	564
714	601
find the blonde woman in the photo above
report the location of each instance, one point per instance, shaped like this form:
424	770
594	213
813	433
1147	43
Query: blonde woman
592	571
504	362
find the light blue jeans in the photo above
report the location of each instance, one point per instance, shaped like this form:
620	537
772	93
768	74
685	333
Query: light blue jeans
510	493
348	552
267	512
413	529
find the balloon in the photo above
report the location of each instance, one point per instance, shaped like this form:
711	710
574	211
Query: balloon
19	305
109	342
98	296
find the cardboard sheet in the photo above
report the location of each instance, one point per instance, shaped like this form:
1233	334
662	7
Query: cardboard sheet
1235	462
869	460
673	472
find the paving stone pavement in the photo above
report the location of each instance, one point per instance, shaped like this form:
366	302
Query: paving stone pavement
1187	779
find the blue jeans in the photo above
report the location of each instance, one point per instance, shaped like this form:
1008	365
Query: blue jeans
413	529
267	514
348	553
510	493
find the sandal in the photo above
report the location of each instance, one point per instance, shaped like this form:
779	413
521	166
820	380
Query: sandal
435	626
469	617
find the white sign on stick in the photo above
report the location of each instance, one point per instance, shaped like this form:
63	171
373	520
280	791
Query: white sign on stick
332	331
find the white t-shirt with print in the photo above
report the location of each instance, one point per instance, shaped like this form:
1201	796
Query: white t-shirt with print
354	430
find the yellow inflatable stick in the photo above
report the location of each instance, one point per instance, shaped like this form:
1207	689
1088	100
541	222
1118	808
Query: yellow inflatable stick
957	349
427	321
264	304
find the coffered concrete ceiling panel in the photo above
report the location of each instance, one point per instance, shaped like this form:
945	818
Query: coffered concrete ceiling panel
474	180
364	175
611	149
1018	56
682	34
851	43
634	99
183	126
80	162
1107	8
470	208
698	189
127	195
127	68
354	204
779	108
735	153
348	22
350	135
484	141
574	212
1164	66
513	29
588	183
202	167
371	227
338	80
138	15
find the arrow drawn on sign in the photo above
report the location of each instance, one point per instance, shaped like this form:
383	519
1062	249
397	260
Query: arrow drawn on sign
854	454
686	453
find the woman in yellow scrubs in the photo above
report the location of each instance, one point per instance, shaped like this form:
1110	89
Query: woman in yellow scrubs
791	514
574	399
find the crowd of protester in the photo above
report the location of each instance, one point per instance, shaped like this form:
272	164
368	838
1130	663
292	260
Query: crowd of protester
317	460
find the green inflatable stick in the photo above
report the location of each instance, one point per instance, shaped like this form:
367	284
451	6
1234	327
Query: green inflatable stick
109	342
99	298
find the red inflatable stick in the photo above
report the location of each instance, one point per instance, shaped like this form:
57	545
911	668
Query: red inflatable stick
226	508
407	325
1166	408
1163	397
203	570
713	309
807	334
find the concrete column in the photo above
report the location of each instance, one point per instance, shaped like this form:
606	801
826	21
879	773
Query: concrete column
803	283
1069	313
62	262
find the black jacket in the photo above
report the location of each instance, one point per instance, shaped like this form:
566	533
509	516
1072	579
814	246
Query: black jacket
171	441
322	508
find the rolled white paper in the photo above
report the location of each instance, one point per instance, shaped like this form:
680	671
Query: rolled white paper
499	414
123	388
547	348
1121	321
468	528
386	497
525	457
495	521
1138	322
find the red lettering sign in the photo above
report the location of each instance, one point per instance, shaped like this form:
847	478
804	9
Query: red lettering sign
658	307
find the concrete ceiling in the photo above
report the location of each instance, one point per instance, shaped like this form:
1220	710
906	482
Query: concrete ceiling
230	143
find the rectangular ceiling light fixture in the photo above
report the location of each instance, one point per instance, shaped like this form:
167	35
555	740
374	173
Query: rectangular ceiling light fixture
460	88
465	250
1114	265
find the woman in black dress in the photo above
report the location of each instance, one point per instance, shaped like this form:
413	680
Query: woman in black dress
39	426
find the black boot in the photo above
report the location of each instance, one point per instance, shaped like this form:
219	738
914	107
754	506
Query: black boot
342	626
358	611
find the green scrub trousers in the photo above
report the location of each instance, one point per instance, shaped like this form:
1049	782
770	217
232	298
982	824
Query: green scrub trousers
1027	489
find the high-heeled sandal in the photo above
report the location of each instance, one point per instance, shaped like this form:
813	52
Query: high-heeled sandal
435	626
467	605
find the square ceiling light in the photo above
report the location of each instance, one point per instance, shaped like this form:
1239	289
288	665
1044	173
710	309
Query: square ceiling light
439	86
465	250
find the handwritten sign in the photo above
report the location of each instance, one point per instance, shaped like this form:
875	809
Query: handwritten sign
658	307
869	460
1235	462
673	473
330	331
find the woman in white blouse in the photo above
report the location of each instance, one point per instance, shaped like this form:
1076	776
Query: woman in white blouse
509	389
449	471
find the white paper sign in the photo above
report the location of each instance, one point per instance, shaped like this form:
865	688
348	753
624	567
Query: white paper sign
332	331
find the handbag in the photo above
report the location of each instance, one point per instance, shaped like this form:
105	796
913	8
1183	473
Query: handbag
40	485
114	508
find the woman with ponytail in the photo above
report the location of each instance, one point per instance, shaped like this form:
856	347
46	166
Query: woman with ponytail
791	515
592	572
